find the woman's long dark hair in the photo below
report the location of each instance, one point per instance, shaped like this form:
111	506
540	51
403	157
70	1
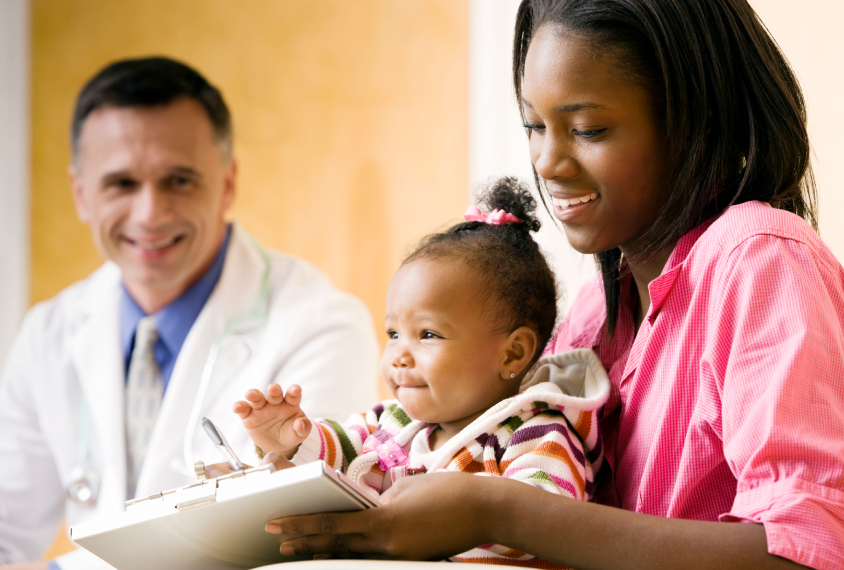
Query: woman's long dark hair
730	105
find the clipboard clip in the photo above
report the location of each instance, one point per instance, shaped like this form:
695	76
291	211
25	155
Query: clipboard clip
199	469
196	494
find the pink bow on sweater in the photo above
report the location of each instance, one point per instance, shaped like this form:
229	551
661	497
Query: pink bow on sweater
390	453
495	218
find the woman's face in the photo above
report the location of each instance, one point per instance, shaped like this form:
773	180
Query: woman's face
594	140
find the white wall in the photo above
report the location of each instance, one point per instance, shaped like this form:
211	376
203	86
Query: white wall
497	141
810	37
14	168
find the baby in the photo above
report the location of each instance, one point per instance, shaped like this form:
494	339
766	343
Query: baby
468	316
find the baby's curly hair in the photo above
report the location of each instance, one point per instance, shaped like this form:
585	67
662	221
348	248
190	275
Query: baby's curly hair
518	285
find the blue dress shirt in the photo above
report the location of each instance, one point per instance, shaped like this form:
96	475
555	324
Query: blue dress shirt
173	321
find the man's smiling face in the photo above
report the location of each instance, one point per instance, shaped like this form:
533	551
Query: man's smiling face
153	185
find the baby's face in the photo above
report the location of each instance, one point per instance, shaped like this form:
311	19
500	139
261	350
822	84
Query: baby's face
443	355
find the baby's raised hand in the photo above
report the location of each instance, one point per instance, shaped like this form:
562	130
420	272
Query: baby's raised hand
275	422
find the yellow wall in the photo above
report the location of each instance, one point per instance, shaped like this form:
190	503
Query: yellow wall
350	121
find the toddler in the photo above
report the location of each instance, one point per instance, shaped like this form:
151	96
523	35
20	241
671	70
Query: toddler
468	315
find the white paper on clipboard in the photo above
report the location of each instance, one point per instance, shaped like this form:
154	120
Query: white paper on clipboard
218	523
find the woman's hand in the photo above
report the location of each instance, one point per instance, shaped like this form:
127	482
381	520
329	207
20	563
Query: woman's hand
426	517
276	458
218	470
439	515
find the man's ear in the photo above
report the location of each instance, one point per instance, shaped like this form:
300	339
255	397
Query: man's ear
83	211
520	347
230	184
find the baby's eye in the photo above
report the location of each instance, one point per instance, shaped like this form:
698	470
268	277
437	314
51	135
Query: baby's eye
429	335
392	335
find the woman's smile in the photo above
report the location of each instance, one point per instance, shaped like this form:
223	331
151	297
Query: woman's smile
594	140
566	202
569	209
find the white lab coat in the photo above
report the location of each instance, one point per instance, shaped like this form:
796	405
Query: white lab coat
69	346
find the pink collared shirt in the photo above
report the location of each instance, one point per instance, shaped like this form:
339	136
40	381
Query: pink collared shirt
728	403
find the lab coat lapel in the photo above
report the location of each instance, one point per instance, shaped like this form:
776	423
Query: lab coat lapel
234	295
97	360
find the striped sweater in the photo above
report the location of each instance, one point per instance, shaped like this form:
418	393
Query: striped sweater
546	436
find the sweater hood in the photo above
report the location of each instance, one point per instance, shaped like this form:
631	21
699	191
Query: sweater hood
573	382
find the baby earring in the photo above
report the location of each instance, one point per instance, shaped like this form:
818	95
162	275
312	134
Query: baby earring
512	375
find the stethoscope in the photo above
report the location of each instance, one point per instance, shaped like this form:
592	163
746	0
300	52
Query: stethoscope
84	486
84	481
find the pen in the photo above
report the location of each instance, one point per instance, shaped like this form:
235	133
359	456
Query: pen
220	442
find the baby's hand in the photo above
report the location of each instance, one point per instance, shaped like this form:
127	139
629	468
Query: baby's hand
275	422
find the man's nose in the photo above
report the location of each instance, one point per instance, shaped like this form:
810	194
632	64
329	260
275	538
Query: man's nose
150	205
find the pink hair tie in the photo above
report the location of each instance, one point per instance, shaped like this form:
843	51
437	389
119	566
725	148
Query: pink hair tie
494	218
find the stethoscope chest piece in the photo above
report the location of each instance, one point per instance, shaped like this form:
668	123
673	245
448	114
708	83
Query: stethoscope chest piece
83	488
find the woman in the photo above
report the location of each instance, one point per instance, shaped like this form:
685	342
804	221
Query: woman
670	138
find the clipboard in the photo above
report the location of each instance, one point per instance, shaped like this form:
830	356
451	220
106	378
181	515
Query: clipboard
218	524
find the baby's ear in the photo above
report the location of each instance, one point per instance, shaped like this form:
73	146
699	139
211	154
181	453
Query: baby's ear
521	345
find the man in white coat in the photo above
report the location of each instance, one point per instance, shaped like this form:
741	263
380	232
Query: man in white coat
153	175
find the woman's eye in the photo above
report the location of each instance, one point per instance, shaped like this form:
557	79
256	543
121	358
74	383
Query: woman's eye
587	134
534	128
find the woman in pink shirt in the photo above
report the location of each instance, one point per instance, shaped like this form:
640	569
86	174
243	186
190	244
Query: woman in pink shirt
669	138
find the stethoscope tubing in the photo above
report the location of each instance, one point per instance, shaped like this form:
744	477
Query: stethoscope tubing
204	382
83	486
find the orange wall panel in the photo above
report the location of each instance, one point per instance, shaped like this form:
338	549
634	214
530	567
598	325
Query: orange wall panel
350	119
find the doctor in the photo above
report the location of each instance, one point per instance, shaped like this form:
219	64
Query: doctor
187	313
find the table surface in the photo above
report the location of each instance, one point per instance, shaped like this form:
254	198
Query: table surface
366	565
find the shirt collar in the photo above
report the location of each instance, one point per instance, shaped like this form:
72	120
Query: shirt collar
660	287
685	245
176	319
130	314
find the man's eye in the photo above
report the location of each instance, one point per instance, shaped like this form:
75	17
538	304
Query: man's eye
124	183
180	181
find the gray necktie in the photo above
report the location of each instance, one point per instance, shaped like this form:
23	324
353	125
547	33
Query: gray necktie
144	391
